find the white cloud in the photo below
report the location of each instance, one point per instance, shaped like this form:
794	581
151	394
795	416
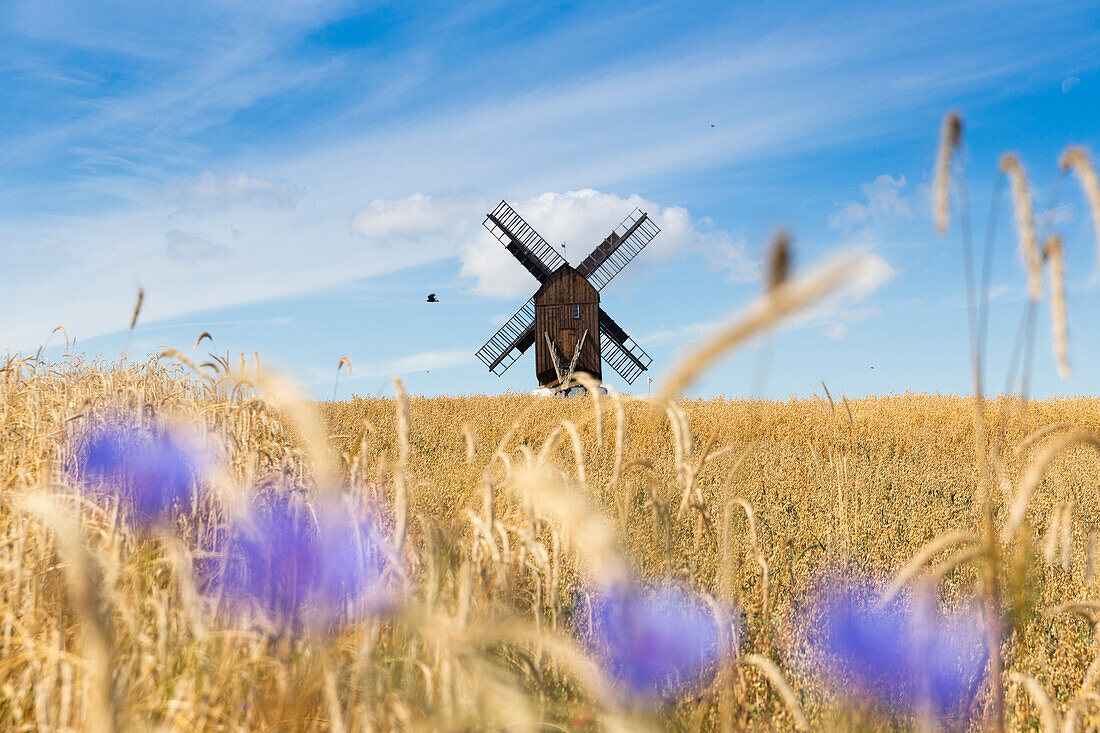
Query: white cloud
190	247
211	193
874	273
40	245
418	362
1060	215
580	219
681	335
847	316
884	204
417	218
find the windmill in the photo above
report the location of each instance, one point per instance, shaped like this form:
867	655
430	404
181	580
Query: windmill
564	320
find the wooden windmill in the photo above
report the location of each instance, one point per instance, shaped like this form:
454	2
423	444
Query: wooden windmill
563	320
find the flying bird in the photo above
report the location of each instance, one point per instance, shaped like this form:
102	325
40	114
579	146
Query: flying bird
432	298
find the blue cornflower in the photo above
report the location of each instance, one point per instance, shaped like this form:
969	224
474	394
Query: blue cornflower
296	561
654	642
908	657
149	469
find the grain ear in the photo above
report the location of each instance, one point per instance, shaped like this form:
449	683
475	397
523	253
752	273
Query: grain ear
1025	224
1075	158
1056	264
950	139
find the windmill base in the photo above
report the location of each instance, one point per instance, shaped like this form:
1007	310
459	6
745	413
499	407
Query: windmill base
575	391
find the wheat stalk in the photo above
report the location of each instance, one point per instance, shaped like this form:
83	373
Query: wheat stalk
84	594
137	308
950	139
779	682
344	362
786	299
1077	159
203	335
402	502
1025	224
779	262
1055	256
1032	479
1047	715
918	561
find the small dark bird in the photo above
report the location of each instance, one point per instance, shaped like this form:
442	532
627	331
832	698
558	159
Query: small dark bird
712	124
432	298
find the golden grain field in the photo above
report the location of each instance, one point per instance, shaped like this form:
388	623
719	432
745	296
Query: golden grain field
105	627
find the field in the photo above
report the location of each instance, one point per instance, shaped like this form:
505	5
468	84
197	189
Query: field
196	546
109	624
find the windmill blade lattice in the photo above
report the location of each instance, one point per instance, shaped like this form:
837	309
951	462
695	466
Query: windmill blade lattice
510	341
620	247
620	351
567	304
525	244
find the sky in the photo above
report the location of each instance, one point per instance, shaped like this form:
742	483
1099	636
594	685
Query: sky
295	177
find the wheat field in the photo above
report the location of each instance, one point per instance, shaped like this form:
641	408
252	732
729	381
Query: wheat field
505	530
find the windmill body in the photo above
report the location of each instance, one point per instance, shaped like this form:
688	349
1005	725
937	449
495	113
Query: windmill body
563	320
566	308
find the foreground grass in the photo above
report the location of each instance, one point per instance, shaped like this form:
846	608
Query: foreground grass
498	575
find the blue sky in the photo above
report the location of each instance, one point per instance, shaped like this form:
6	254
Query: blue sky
295	178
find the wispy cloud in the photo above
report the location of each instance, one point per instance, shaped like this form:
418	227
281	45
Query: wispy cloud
884	204
190	247
423	361
211	193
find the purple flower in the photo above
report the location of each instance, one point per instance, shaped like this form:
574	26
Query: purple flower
907	657
654	642
295	561
149	469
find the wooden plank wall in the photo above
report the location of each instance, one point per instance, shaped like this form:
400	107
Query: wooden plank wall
554	315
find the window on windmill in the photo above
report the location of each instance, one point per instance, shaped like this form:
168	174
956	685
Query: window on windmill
576	311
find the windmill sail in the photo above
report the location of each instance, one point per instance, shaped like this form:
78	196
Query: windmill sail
523	242
620	247
510	341
619	350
